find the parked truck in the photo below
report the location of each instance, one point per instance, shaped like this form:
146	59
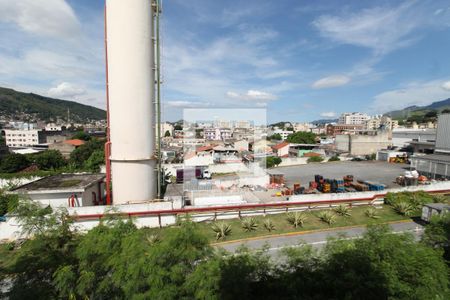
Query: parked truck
188	174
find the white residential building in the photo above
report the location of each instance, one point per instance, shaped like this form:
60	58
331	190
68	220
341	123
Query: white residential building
302	127
242	124
217	134
284	133
53	127
22	138
166	127
223	124
354	118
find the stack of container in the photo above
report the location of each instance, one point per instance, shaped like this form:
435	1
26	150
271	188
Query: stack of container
374	186
348	179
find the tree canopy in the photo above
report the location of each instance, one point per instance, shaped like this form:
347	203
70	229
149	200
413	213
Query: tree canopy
302	137
116	260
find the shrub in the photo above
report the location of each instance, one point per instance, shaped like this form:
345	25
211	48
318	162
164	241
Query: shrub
268	225
372	213
249	224
327	216
334	158
314	159
222	230
403	208
12	163
343	211
297	219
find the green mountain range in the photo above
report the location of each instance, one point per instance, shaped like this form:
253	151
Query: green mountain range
417	112
29	106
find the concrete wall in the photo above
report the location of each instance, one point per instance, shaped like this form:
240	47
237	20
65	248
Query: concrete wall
362	144
293	161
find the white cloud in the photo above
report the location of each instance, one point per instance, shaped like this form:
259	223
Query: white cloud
53	18
446	86
329	114
381	28
331	81
66	90
415	93
252	95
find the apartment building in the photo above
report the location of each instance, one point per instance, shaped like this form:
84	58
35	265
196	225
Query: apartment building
23	138
354	118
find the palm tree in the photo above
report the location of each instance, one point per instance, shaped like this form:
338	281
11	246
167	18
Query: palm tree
343	210
249	224
403	208
221	229
297	219
371	212
268	225
327	216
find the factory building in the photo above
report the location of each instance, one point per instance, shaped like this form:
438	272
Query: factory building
436	165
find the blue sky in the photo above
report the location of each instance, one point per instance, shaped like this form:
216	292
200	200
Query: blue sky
302	60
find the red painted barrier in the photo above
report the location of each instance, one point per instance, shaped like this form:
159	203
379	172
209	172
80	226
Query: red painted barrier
236	207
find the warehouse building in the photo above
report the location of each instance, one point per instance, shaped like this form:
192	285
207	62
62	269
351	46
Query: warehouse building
436	165
66	190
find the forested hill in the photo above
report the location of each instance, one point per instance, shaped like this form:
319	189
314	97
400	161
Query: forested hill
32	106
419	111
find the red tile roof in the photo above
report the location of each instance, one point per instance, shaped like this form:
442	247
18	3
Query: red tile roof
311	154
74	142
205	148
280	145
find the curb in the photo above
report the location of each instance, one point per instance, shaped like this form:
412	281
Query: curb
301	233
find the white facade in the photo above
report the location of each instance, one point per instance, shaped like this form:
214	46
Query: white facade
242	124
302	127
22	138
166	127
284	133
217	134
53	127
354	118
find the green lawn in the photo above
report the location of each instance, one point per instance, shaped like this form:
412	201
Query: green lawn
358	217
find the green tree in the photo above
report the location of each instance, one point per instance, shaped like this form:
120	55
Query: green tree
437	234
81	135
302	137
95	161
383	265
271	161
81	154
167	134
178	127
49	159
445	111
34	263
314	159
12	163
276	137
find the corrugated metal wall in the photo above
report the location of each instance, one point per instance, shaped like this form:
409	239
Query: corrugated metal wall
443	133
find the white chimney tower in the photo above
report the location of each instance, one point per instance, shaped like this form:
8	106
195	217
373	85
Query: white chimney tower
131	88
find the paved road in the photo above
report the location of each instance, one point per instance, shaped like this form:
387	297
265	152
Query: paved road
377	171
317	239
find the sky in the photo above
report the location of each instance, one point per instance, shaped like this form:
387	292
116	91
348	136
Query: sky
301	60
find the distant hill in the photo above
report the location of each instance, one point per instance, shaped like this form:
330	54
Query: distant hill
324	121
419	111
17	104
